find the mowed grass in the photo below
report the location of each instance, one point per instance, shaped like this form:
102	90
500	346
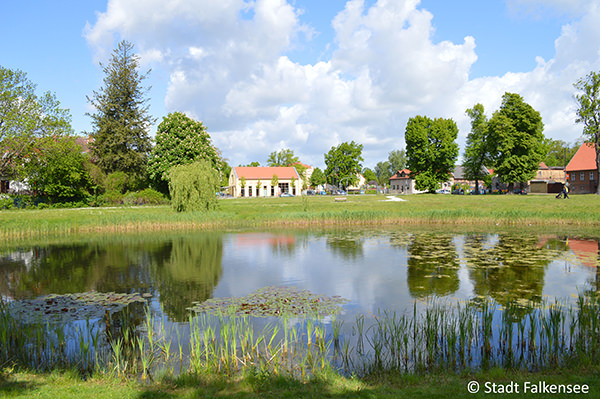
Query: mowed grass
317	211
69	385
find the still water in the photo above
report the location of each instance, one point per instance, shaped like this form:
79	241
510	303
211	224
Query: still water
373	270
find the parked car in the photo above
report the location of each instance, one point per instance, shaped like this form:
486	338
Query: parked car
340	192
442	191
321	192
520	191
310	192
458	191
286	195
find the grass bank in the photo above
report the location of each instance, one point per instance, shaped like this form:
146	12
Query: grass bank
504	210
70	385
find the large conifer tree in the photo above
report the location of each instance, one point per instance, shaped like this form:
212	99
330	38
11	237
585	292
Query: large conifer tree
121	121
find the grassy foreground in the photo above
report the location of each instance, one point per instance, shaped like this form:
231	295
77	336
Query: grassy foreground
503	210
69	385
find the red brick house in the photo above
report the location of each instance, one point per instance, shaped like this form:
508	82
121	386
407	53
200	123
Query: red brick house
582	172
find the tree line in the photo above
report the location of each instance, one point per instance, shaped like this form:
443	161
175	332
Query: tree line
39	146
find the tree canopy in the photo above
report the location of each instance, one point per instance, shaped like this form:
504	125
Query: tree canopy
397	161
343	164
122	120
284	157
588	112
25	118
432	150
478	152
382	171
317	178
180	140
58	172
193	187
516	134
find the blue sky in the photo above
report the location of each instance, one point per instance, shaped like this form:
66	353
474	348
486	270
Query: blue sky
307	75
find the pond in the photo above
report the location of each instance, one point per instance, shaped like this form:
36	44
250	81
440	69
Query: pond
375	271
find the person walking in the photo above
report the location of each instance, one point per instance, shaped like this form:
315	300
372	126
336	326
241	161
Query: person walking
565	192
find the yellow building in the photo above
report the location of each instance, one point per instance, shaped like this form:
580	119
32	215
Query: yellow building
245	181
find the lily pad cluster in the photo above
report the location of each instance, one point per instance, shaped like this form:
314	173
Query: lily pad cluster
273	301
70	307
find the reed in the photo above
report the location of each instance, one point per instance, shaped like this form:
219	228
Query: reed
433	337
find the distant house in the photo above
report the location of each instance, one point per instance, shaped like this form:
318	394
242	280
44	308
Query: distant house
458	177
257	181
401	183
582	171
548	179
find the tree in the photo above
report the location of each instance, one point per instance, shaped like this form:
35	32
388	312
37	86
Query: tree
317	178
432	150
284	157
193	187
478	152
275	183
382	171
397	161
180	140
559	153
121	121
26	118
369	175
516	134
58	172
343	164
588	112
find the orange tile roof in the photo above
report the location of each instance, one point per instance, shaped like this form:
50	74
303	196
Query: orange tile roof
266	172
584	159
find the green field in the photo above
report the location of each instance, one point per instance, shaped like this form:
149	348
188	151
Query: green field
578	212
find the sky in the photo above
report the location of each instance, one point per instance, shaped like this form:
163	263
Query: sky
307	75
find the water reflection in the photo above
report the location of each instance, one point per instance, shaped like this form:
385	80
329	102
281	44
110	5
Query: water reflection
374	270
432	266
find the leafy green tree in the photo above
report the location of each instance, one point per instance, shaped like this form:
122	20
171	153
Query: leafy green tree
558	152
382	171
122	119
274	181
369	175
193	187
317	178
25	118
284	157
252	164
588	112
180	140
343	164
432	150
478	153
516	134
397	161
58	172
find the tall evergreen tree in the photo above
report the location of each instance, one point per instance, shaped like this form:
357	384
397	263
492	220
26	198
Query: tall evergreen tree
121	121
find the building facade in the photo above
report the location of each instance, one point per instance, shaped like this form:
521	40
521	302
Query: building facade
582	171
259	181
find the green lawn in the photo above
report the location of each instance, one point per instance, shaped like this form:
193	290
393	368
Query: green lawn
503	210
66	386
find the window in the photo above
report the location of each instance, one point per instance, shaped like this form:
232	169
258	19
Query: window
591	176
574	177
582	176
249	191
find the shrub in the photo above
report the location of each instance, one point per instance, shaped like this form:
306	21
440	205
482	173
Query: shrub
116	181
145	197
193	187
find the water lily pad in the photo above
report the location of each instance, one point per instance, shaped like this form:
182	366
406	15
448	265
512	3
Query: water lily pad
274	301
69	307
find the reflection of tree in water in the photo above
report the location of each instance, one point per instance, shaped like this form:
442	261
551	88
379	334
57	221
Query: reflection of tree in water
432	265
509	268
190	273
119	266
348	245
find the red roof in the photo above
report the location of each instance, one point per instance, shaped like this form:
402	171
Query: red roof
266	172
397	176
584	159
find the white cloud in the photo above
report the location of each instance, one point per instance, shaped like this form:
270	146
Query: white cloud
229	65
